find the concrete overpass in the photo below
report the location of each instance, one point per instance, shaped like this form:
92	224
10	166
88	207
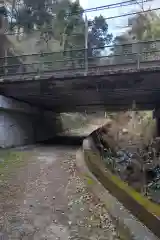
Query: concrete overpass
30	103
112	89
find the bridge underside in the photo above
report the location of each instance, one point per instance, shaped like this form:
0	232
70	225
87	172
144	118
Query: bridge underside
112	92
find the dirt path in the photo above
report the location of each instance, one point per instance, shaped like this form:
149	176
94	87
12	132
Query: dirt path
46	199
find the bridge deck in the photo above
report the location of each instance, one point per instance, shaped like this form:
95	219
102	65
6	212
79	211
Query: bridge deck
111	90
76	72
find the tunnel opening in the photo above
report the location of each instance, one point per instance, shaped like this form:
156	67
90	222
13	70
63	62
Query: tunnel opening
63	141
73	128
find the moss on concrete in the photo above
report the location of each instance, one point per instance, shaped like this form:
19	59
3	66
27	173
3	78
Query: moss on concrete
143	201
147	212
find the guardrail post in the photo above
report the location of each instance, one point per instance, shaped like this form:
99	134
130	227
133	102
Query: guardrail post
5	62
40	65
138	61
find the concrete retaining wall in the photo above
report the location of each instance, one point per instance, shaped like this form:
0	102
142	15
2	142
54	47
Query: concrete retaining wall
9	104
144	210
22	124
15	129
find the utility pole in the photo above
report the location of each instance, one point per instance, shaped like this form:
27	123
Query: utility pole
12	12
86	45
3	28
141	4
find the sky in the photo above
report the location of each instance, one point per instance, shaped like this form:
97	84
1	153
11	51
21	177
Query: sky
116	26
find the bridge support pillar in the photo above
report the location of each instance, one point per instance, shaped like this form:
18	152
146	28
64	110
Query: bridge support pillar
156	115
158	126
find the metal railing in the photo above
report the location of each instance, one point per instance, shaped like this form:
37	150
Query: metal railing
127	56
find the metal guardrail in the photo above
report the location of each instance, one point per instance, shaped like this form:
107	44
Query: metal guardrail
136	55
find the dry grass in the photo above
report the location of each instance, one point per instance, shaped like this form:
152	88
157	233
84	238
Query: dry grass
135	133
130	129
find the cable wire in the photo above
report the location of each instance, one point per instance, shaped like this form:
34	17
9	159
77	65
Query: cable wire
107	18
115	5
134	13
106	7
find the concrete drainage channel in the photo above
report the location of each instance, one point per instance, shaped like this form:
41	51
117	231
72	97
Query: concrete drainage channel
129	222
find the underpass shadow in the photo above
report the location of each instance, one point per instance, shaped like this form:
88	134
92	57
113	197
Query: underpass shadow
64	141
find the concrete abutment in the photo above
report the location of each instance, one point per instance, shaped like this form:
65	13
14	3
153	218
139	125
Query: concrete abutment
156	115
22	124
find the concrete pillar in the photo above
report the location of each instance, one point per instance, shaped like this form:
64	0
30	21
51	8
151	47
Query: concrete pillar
158	126
22	124
156	116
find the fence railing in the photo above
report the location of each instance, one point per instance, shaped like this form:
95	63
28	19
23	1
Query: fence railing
125	56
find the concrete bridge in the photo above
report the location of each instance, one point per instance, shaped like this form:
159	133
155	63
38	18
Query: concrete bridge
30	102
34	91
111	89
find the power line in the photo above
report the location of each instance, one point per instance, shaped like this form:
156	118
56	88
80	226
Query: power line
116	5
104	7
108	18
134	13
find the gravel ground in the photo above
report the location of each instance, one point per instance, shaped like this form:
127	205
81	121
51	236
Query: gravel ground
46	199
